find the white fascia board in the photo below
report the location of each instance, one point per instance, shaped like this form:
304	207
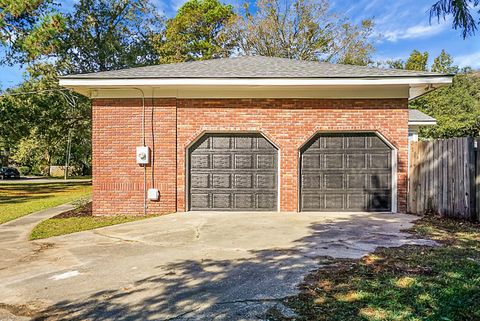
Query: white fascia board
141	82
422	123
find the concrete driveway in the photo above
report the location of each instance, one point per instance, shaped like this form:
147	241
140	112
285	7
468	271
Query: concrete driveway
187	266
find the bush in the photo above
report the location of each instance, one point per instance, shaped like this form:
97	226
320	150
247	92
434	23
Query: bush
25	170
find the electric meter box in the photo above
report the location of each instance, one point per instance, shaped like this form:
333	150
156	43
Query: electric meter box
153	194
143	155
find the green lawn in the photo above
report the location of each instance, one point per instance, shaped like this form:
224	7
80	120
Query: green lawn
414	283
17	200
77	220
61	226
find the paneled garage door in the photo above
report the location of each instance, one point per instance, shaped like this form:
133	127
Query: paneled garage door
233	172
346	172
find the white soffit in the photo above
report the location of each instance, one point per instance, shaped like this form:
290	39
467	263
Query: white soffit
388	87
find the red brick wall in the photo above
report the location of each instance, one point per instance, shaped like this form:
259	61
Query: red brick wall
118	182
288	123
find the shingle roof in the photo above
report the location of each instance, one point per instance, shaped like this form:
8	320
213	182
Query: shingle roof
252	67
415	115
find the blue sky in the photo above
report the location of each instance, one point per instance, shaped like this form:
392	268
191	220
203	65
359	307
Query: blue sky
401	26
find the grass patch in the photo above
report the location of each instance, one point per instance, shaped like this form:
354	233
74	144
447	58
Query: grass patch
71	177
77	220
18	200
409	283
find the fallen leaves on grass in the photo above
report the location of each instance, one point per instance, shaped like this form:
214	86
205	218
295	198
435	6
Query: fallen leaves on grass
407	283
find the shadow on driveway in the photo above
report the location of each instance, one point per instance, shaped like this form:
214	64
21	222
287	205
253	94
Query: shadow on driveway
248	288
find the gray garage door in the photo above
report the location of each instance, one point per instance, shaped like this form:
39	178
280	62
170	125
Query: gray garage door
346	172
233	172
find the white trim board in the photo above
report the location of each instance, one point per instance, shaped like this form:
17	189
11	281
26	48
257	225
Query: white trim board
138	82
422	123
346	88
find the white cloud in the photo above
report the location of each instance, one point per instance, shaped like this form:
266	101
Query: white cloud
414	32
468	60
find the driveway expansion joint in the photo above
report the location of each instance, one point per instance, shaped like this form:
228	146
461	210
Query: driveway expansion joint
117	238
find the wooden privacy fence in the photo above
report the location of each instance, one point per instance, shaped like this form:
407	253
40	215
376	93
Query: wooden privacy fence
444	177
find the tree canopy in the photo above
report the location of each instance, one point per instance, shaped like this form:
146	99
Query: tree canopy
416	61
444	64
463	12
28	28
457	107
103	35
98	35
196	32
301	29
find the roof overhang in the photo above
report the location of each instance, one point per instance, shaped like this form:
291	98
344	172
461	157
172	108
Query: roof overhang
398	87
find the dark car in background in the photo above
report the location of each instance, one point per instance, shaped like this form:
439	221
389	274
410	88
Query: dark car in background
9	172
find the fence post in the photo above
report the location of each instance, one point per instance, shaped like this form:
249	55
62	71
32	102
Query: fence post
411	177
471	178
477	179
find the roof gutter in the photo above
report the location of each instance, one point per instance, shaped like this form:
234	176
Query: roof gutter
422	123
138	82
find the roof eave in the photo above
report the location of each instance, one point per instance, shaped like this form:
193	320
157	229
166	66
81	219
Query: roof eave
422	123
132	82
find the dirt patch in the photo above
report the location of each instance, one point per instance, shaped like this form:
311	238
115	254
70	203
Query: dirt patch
41	247
24	310
82	211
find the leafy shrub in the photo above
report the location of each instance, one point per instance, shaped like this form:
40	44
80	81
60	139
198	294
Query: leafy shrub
24	170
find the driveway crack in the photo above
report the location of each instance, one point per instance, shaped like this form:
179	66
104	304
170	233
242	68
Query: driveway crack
197	230
250	301
182	314
118	238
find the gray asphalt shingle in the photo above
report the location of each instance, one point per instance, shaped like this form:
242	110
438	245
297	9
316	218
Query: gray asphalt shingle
253	67
415	115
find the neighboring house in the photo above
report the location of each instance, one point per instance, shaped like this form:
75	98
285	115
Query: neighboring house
416	120
251	133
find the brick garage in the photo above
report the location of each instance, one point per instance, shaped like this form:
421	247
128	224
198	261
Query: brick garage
173	124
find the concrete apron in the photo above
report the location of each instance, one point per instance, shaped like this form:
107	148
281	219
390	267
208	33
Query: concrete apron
197	265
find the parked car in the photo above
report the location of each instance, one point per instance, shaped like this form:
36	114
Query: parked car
9	172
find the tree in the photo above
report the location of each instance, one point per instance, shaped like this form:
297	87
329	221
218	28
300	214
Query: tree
196	32
417	61
28	28
14	123
103	35
394	64
98	35
456	108
44	121
444	64
355	47
302	29
461	10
